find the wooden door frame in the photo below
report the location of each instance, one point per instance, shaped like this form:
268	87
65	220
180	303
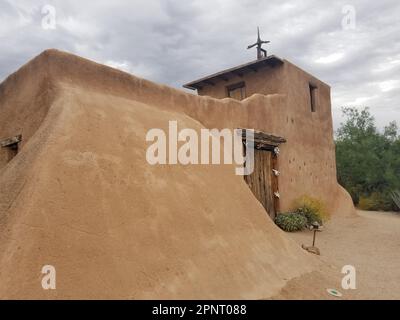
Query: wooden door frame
269	143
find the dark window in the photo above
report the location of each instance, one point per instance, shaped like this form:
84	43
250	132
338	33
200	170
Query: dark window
236	91
9	149
313	97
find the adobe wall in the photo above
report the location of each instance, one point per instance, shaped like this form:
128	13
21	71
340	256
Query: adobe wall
80	196
24	113
267	80
307	160
4	157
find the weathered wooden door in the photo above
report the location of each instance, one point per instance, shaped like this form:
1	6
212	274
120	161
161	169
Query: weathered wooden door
261	180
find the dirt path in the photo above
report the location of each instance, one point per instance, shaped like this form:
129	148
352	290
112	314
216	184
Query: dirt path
370	242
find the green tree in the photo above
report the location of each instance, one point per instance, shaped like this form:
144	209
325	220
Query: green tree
368	161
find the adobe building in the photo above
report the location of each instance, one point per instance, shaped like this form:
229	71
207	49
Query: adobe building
300	125
77	193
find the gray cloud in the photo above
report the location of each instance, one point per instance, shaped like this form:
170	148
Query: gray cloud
173	43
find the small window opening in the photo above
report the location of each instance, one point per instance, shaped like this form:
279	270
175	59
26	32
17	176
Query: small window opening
313	97
9	147
237	91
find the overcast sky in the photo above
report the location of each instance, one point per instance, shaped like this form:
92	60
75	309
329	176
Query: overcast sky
352	45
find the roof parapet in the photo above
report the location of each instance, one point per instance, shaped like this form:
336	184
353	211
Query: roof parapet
240	70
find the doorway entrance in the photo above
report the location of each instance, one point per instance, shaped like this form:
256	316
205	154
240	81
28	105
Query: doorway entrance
263	182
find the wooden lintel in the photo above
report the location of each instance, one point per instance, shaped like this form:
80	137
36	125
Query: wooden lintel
9	142
265	144
264	140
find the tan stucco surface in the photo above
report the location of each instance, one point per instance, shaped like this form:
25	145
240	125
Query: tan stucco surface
81	196
307	162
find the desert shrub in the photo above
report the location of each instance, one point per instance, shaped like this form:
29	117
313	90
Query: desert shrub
290	221
377	201
312	209
368	160
367	203
396	198
310	215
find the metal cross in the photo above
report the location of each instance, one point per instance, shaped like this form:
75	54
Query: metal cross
261	53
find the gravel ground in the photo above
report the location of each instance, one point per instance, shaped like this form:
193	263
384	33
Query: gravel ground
369	241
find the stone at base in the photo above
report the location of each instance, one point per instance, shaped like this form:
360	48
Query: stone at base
311	249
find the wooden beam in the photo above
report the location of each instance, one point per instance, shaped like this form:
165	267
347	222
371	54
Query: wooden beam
226	79
9	142
254	69
209	82
238	74
264	140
